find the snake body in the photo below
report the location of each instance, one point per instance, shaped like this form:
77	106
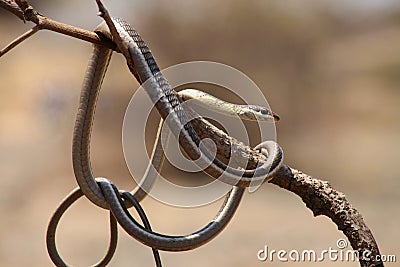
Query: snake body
143	66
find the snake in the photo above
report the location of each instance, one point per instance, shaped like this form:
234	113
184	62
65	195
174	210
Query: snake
245	112
166	101
144	67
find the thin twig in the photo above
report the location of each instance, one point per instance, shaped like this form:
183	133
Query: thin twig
85	35
103	12
19	40
42	22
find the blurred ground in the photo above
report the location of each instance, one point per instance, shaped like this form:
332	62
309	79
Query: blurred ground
331	69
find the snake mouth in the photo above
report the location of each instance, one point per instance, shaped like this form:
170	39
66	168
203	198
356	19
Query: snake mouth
276	116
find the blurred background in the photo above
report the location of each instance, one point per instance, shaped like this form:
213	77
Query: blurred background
330	69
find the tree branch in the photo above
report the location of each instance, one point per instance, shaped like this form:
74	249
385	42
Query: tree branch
12	7
322	199
19	40
318	195
21	7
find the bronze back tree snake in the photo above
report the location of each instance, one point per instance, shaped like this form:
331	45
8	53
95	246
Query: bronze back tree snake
102	193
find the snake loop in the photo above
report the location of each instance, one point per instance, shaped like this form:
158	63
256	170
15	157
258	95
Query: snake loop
104	194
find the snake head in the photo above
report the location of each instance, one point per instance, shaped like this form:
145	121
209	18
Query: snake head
263	113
